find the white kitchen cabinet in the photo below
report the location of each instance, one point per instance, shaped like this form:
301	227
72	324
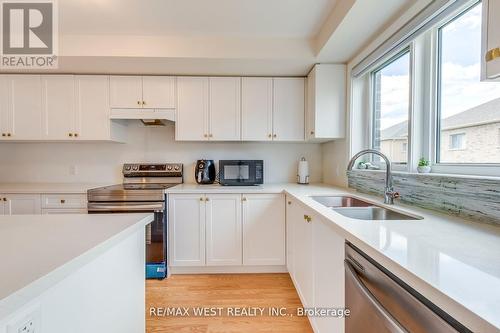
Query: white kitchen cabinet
300	221
263	229
256	109
186	229
328	268
20	204
192	109
146	92
20	113
158	92
92	107
223	229
225	109
58	107
491	40
326	106
125	91
64	201
288	109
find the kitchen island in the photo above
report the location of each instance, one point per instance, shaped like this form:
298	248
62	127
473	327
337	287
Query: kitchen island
73	273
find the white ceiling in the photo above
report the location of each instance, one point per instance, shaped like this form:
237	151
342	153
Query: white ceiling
246	18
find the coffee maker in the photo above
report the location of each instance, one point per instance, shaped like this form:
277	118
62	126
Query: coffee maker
205	172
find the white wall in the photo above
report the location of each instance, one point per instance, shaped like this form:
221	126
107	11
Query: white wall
102	162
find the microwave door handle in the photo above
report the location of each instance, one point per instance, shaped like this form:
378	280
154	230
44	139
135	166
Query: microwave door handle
390	322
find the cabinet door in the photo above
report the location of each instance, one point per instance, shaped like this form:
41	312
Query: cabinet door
192	109
288	109
256	109
4	107
22	204
186	229
302	263
225	109
223	219
92	107
328	267
158	92
25	107
263	229
58	100
125	91
491	27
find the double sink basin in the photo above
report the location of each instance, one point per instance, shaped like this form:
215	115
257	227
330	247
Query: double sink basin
361	210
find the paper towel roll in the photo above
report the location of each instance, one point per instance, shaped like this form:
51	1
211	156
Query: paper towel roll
303	172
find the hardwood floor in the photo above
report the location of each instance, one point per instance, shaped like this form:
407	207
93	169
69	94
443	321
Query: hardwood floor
231	293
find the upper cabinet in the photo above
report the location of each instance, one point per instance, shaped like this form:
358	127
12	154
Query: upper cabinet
326	106
491	40
208	109
272	109
20	112
147	92
56	108
288	109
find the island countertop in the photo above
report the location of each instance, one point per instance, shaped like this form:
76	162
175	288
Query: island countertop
38	251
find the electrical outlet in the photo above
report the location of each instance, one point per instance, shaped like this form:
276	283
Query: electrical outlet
27	321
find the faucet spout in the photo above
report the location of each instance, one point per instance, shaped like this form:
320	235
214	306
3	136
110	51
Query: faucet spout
389	193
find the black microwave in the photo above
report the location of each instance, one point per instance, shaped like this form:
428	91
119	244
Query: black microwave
241	172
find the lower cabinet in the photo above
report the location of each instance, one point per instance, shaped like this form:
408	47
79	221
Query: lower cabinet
316	263
20	204
226	230
263	229
186	229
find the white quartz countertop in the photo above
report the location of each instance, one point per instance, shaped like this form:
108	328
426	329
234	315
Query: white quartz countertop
452	262
48	188
38	251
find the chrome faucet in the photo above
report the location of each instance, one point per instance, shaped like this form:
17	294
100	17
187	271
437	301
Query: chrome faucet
389	193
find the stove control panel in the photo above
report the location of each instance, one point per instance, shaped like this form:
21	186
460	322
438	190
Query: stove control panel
152	170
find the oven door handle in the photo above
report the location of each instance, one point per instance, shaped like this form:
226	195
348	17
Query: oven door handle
391	323
129	207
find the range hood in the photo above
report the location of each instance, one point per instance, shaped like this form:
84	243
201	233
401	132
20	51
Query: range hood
149	117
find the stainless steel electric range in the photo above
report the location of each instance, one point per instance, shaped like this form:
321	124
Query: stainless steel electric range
143	191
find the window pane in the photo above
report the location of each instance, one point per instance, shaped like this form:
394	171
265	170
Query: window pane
469	109
391	109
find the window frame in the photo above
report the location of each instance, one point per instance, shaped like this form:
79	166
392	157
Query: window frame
482	169
392	57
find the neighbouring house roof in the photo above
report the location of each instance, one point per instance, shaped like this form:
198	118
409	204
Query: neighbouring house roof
485	113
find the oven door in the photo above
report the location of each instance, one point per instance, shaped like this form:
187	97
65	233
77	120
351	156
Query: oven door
241	172
156	231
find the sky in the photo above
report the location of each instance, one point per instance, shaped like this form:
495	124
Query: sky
461	88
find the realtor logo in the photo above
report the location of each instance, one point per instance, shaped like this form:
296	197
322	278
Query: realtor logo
29	34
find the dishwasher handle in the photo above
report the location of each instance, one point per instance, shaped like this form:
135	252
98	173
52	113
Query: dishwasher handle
390	322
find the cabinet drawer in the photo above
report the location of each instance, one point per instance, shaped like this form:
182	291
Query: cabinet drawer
52	211
64	201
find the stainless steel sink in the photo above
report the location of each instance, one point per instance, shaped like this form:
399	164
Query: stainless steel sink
340	201
373	213
359	209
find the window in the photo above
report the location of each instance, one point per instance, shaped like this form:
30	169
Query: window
465	103
391	105
457	141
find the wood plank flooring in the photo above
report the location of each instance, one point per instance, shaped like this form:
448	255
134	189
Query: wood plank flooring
231	292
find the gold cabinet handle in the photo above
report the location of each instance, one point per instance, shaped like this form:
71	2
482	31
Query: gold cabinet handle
143	103
493	54
210	135
201	199
3	134
307	218
269	136
138	102
289	202
312	132
8	134
205	135
4	199
63	201
207	199
70	135
244	199
76	135
274	135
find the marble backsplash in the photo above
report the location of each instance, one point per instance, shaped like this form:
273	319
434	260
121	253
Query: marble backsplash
472	198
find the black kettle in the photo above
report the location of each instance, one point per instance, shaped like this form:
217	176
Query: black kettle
204	172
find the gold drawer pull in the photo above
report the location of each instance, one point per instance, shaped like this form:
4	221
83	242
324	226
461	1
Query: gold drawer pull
307	218
138	102
4	199
493	54
63	201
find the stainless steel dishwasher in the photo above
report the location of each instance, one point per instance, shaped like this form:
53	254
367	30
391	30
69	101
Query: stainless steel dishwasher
380	302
